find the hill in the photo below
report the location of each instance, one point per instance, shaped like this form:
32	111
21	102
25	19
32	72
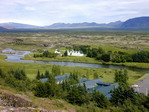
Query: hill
2	29
12	25
85	25
140	22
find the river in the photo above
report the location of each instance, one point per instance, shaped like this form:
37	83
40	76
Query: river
17	55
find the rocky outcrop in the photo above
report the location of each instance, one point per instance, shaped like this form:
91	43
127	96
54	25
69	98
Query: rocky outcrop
18	103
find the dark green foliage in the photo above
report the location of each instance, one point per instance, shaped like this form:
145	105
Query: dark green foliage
73	78
38	76
56	70
105	57
77	95
40	90
94	52
83	48
51	79
65	53
121	94
100	100
121	76
146	102
47	90
18	74
47	74
96	75
142	56
45	54
128	106
17	79
2	75
119	57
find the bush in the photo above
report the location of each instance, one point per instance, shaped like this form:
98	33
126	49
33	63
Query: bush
100	100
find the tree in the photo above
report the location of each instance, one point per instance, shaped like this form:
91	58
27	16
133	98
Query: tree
66	53
105	57
46	53
142	56
121	94
96	76
56	70
121	76
73	78
2	75
100	100
40	90
47	74
38	76
77	95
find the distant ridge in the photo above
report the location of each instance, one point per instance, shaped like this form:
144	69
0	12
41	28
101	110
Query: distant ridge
134	23
85	24
2	29
12	25
139	22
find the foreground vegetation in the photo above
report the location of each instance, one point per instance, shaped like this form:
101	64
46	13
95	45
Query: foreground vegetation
123	97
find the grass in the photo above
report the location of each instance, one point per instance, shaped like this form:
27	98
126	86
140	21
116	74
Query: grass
31	69
85	59
82	59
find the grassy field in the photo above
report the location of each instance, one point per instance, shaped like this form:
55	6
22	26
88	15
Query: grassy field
126	41
105	74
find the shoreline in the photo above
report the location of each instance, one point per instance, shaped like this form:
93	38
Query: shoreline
103	63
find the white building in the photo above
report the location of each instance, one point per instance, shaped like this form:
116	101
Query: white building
57	51
75	53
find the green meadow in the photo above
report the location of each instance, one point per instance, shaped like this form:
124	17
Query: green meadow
105	74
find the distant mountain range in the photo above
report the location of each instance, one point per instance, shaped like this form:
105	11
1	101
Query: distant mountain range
85	25
140	22
12	25
2	29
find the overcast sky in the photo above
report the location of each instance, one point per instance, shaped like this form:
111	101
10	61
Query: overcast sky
46	12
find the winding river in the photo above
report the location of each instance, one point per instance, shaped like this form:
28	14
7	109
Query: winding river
17	55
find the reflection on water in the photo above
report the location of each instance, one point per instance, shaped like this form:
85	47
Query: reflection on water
17	55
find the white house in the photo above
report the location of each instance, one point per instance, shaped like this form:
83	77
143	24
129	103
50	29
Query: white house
75	53
57	51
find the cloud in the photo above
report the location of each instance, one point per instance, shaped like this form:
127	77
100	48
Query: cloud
30	8
44	12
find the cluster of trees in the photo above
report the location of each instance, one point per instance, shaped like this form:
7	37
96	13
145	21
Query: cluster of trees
116	56
45	53
123	98
16	79
56	70
142	56
83	48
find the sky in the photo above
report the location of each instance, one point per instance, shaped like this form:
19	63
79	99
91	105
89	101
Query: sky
47	12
